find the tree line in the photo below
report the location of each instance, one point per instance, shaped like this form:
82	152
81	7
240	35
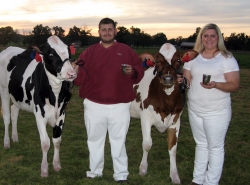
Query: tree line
133	37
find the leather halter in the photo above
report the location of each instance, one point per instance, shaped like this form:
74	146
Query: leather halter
160	72
58	69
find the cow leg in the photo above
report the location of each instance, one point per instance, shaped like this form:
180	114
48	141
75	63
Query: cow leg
57	138
173	132
45	145
146	144
14	116
6	115
56	158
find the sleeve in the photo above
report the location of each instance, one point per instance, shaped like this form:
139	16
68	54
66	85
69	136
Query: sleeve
188	65
230	64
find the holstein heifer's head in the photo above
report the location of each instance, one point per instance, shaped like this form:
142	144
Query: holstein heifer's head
57	59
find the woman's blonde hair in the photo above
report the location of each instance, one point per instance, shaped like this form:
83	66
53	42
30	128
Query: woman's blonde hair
221	46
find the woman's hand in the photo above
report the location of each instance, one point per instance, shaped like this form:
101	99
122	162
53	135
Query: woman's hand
209	85
231	85
180	78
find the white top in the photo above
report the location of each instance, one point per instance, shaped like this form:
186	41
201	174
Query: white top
201	99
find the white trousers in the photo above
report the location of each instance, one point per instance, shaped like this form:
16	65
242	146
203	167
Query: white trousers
209	132
99	119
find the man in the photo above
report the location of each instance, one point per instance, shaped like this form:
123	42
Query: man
107	93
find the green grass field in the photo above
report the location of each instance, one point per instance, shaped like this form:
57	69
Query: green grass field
20	165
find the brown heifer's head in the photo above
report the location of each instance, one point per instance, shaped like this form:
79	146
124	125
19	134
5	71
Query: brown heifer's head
167	72
168	62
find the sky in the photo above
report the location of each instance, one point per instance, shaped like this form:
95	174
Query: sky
174	18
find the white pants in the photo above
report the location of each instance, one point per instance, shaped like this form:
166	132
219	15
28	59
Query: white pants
99	119
209	132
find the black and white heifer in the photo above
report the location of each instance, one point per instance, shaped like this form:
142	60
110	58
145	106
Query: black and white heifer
37	82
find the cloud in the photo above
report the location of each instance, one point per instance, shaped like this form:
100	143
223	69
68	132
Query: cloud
174	18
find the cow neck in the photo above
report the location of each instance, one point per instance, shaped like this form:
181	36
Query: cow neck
56	86
168	91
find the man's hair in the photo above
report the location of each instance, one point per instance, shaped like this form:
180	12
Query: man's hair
107	21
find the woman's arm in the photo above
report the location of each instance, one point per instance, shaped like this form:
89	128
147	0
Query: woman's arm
187	75
231	85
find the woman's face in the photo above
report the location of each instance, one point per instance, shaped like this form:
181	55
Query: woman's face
210	39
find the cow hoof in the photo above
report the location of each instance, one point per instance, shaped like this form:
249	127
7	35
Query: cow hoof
44	169
6	143
57	166
176	182
142	173
143	170
15	138
175	178
44	174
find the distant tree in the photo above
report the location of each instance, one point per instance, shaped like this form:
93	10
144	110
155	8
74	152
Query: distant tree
237	41
41	34
192	38
17	38
242	40
146	40
85	34
27	37
58	31
74	34
159	39
172	41
179	40
231	42
7	34
247	43
135	36
123	35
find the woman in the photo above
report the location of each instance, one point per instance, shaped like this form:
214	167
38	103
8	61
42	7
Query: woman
209	105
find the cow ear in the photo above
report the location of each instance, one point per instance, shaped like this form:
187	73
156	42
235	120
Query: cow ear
189	55
37	49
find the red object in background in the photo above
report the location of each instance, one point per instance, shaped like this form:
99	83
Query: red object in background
186	58
150	63
38	57
72	50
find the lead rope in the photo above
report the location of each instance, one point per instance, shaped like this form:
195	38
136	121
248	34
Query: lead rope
81	64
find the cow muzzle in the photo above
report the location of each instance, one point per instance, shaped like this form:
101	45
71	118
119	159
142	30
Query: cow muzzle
71	75
167	79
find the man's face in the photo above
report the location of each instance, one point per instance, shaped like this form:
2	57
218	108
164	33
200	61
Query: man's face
107	33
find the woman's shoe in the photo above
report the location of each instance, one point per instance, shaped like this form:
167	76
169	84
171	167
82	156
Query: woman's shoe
193	183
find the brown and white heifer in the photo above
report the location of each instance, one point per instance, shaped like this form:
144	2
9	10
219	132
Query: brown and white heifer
160	101
38	83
